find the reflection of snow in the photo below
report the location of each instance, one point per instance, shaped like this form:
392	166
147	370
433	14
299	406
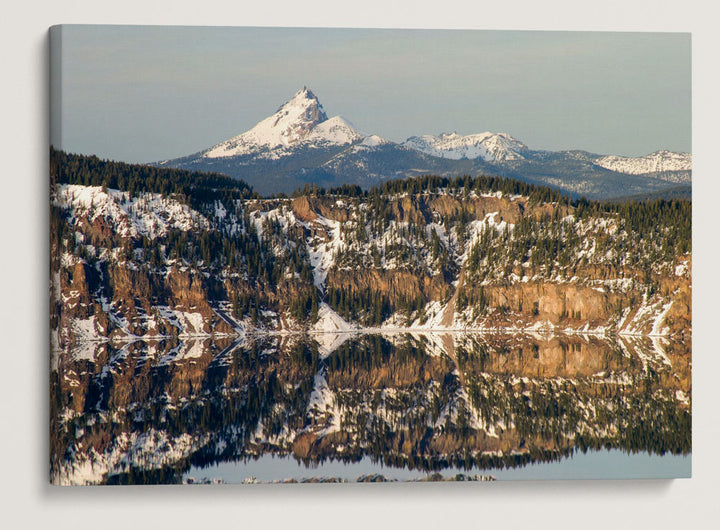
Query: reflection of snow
652	354
149	450
321	403
459	392
329	342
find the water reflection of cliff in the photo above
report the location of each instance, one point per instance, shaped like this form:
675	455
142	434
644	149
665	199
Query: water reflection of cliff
146	411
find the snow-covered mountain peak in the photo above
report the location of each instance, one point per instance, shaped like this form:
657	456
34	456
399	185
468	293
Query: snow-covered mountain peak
374	141
502	146
371	142
303	110
487	145
303	95
656	162
302	120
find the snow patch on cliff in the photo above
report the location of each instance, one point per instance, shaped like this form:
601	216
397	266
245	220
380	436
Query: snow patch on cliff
150	214
330	322
322	254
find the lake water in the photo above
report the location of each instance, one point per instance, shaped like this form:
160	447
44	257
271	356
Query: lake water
608	464
402	405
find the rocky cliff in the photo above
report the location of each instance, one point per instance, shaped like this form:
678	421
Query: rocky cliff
190	325
153	267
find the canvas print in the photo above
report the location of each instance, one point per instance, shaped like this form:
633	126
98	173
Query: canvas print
284	255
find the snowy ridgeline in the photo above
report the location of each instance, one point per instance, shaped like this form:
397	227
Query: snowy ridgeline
152	216
656	162
486	146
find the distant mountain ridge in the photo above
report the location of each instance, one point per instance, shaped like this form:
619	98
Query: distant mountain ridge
489	146
300	144
657	162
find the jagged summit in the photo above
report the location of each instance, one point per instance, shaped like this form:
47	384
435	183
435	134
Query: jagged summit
302	119
487	146
304	108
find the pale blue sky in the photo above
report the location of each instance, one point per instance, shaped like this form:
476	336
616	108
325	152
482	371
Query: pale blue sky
146	93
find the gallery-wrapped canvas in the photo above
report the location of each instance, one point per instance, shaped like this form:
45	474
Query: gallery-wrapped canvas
287	255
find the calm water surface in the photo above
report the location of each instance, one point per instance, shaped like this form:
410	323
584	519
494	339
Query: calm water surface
404	406
608	464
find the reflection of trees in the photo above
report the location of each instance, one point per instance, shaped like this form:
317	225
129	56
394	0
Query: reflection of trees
401	400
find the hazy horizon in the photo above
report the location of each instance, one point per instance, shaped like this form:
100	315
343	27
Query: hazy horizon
148	93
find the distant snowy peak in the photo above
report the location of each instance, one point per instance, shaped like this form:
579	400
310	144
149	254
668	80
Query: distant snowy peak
371	142
488	146
374	141
336	130
656	162
502	146
300	120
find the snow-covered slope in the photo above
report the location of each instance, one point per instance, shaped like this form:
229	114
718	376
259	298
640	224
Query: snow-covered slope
337	130
656	162
330	322
488	146
372	141
301	120
150	215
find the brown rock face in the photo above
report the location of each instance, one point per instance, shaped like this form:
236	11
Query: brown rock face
554	302
303	209
478	207
308	208
392	283
406	209
100	232
187	291
421	209
549	302
127	284
78	292
679	318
